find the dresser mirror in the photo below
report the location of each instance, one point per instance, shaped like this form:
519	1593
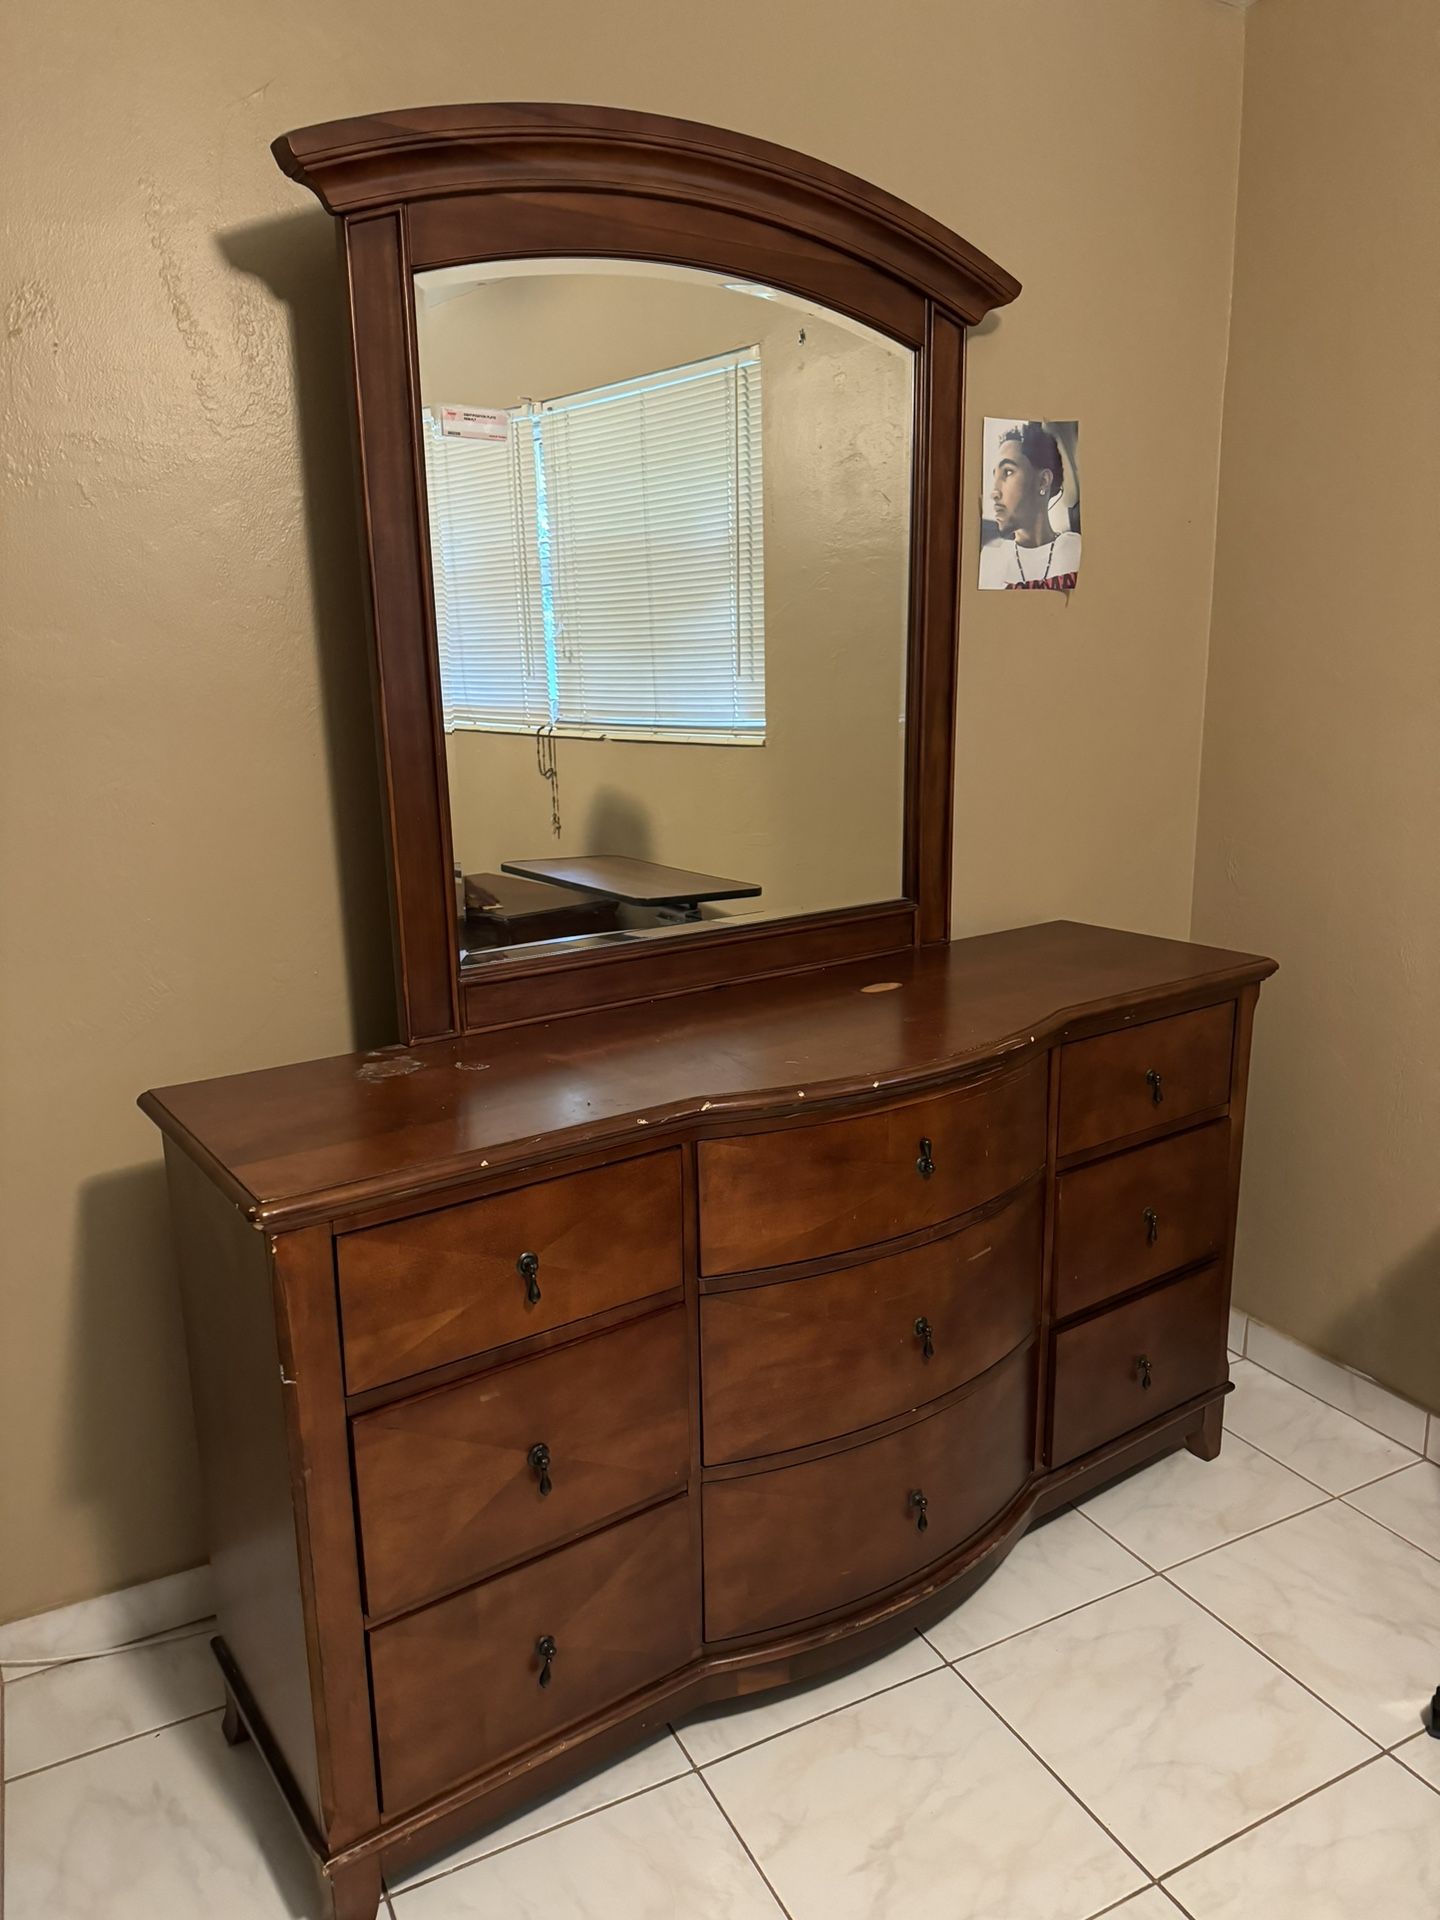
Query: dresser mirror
660	453
669	539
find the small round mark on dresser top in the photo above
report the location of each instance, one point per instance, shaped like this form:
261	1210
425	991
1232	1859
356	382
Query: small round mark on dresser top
882	986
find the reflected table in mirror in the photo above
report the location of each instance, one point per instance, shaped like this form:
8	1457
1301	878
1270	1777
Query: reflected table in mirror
501	911
634	883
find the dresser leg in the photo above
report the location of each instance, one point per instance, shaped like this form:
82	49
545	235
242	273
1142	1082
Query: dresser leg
1204	1443
354	1891
232	1726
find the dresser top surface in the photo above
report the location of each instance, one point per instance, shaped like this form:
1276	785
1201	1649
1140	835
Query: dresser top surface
296	1144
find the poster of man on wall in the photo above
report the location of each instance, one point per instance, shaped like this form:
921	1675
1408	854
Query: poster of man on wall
1030	505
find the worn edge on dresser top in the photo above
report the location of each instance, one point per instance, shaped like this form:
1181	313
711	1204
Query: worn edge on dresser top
445	1115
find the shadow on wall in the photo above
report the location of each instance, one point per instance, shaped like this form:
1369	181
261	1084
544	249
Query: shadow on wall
296	257
1406	1296
127	1345
619	823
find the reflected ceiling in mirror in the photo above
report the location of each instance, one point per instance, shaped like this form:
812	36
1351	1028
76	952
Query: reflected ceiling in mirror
670	546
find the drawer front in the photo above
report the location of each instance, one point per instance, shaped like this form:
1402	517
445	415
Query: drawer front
800	1361
785	1545
1126	1220
444	1285
1100	1390
1124	1083
457	1687
449	1486
803	1192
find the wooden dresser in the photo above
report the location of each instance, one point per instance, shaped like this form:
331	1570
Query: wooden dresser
556	1380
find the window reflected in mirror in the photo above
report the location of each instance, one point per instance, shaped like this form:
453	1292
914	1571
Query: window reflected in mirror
670	554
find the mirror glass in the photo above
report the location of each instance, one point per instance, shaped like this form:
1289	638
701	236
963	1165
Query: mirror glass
670	547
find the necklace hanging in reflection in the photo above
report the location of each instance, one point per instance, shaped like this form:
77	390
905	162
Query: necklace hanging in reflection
549	770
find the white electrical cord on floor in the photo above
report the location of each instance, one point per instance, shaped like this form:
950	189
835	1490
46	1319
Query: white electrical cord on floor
164	1639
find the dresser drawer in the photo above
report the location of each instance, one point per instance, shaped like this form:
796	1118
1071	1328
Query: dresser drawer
1124	1083
1100	1371
785	1545
1123	1221
802	1192
800	1361
443	1285
450	1485
457	1686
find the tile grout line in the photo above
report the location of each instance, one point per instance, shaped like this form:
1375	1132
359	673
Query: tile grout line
1393	1474
1325	1500
827	1714
109	1746
744	1847
522	1839
1003	1640
1235	1432
1163	1573
1265	1819
1345	1501
1040	1760
1380	1753
1408	1740
1367	1424
1244	1639
1118	1906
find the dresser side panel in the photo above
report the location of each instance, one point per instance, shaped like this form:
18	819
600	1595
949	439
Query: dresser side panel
226	1289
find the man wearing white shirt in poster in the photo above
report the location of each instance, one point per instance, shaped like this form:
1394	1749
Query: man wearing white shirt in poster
1028	480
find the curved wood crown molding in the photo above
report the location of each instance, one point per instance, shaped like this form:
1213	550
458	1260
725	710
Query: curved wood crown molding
424	153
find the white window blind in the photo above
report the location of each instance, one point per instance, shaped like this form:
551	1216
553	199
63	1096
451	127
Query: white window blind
489	617
609	577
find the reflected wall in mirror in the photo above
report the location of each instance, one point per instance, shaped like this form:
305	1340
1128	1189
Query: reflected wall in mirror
670	546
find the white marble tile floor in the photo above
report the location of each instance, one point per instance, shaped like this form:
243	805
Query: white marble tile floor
1196	1697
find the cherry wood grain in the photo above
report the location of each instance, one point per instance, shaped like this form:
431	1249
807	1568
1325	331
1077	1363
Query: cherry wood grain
437	153
785	1365
438	1286
248	1469
1128	1219
1106	1090
444	1483
292	1144
458	1684
1100	1391
768	1198
427	951
782	1546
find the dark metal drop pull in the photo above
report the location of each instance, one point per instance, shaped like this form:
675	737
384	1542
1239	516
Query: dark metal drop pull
920	1503
926	1333
1143	1366
1152	1226
925	1165
528	1267
545	1647
539	1458
1157	1092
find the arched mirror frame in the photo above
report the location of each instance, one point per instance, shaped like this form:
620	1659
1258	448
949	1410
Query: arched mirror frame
441	186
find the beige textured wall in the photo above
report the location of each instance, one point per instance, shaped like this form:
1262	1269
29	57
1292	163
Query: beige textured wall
1320	807
191	879
815	816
